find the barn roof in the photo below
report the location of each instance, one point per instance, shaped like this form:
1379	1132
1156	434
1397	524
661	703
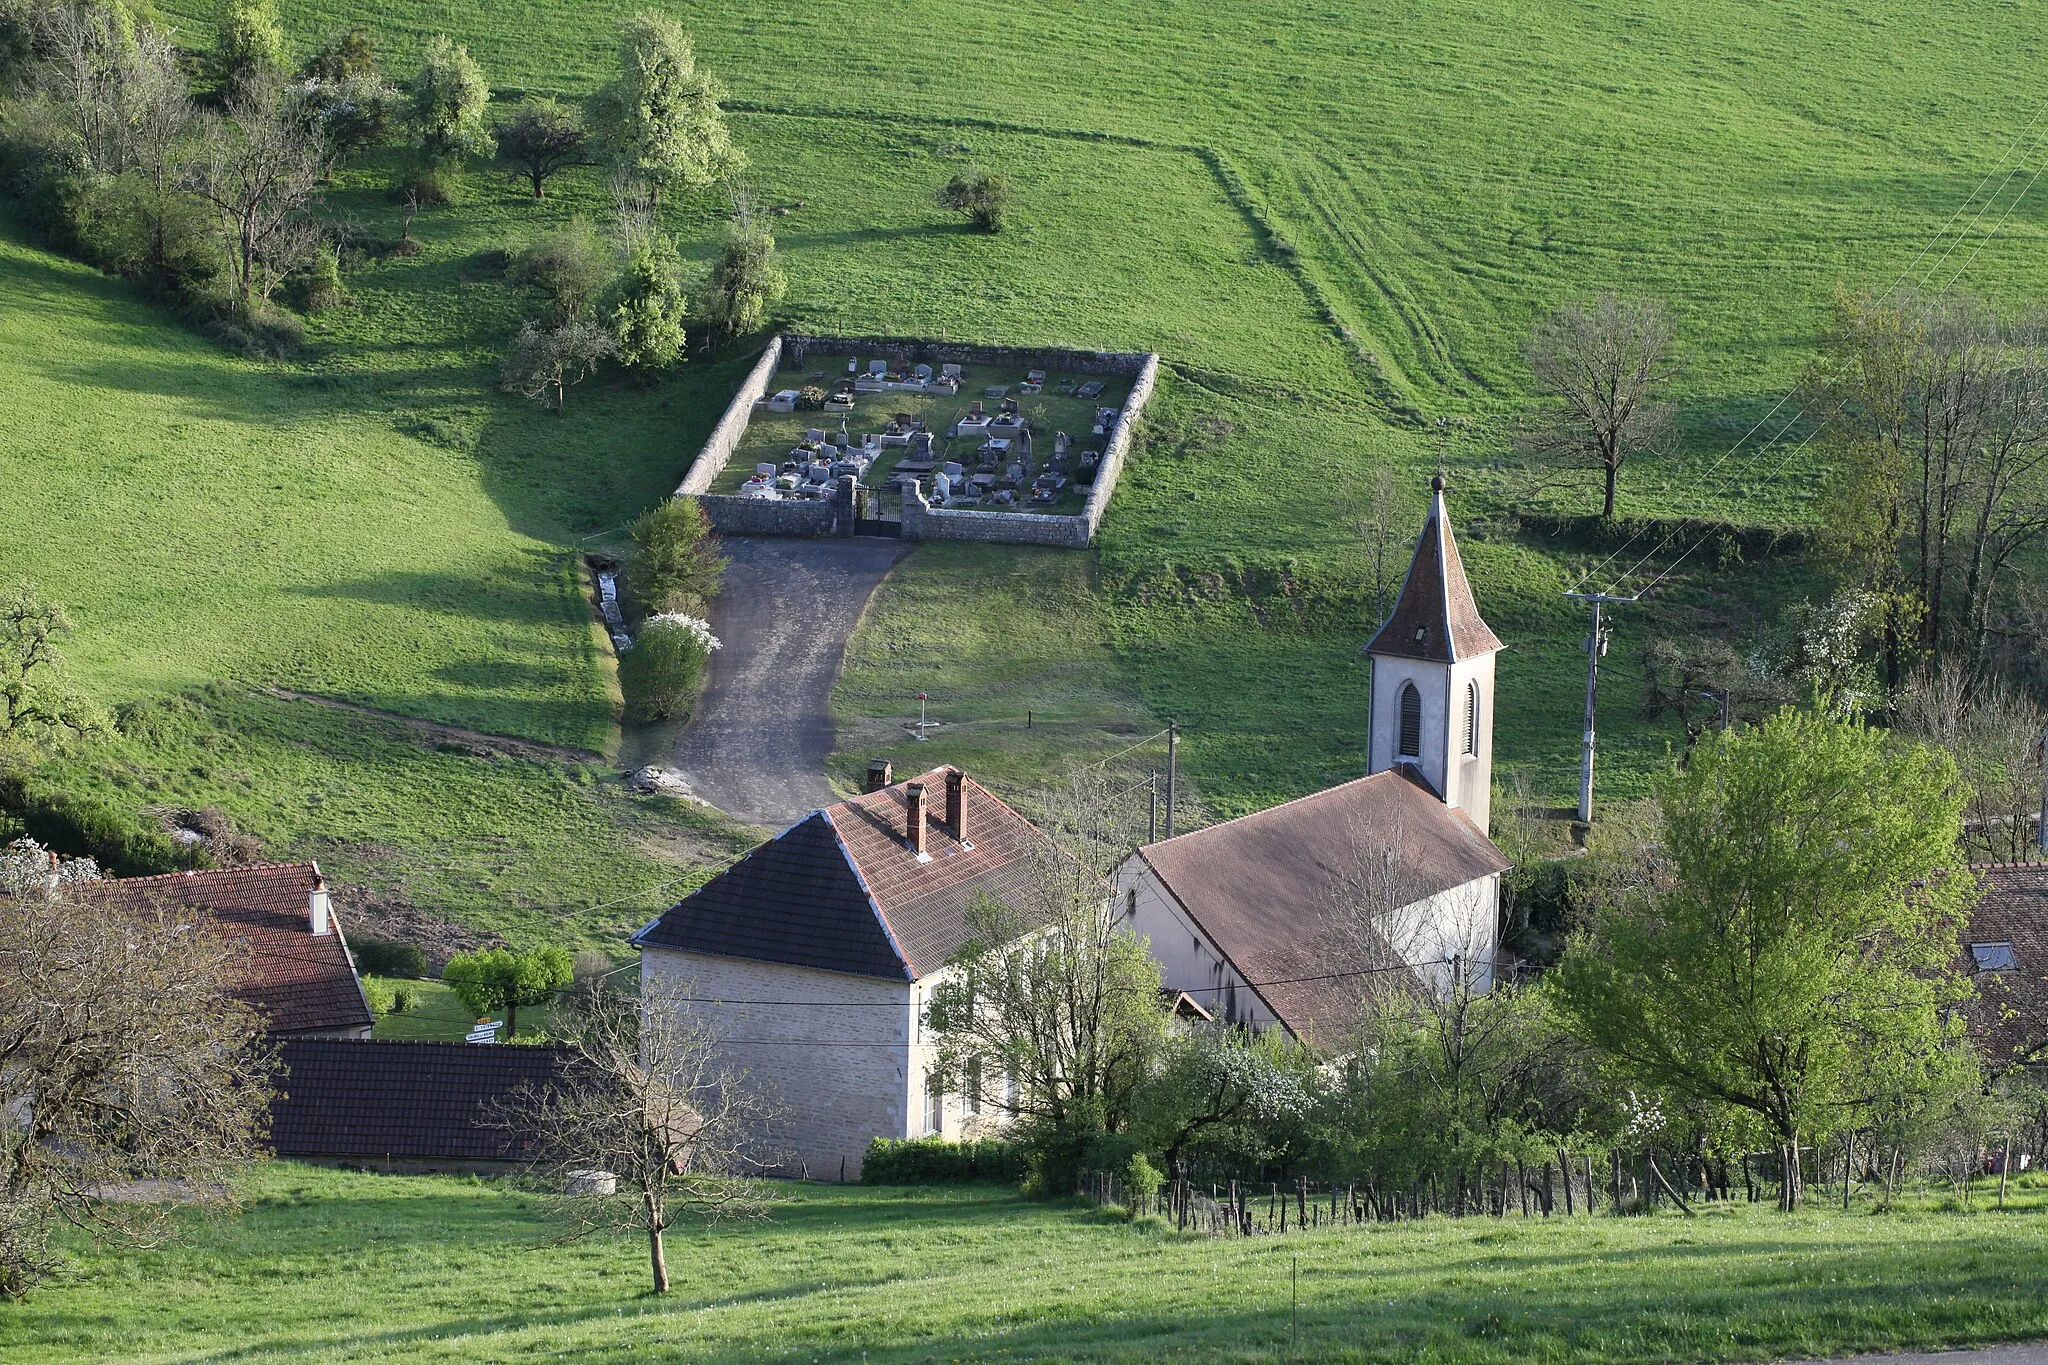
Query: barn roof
842	890
1435	617
298	981
1259	886
412	1101
2010	1014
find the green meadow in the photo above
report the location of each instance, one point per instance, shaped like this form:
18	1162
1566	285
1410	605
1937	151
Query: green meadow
1335	223
326	1265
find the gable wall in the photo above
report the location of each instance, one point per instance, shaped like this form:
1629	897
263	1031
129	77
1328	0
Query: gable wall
1188	961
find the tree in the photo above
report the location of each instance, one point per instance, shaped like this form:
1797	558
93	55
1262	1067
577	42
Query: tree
1055	992
745	283
258	168
982	195
676	564
505	978
546	361
569	268
248	47
649	316
661	672
1605	362
544	136
1800	936
88	54
1222	1089
445	103
1995	732
346	55
646	1101
659	119
126	1059
1936	433
35	706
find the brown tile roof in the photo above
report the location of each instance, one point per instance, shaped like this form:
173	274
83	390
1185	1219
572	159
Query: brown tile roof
841	890
2009	1017
415	1101
1435	617
299	982
1258	886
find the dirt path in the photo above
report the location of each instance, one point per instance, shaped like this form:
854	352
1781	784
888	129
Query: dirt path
2026	1354
763	731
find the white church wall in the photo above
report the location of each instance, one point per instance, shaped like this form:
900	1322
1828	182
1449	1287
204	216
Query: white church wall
1187	960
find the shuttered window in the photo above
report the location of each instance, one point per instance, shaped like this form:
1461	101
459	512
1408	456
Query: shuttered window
1411	721
1472	718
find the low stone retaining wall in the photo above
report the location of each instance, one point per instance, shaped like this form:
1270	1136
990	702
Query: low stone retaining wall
738	516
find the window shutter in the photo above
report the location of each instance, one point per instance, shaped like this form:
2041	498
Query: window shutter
1411	721
1472	718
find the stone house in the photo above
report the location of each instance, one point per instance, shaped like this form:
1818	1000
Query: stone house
1289	916
297	972
816	955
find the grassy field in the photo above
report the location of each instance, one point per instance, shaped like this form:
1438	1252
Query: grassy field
1334	224
325	1265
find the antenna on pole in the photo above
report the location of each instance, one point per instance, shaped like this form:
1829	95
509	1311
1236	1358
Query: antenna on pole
1596	645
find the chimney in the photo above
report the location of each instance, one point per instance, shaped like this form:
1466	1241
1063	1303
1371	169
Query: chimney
956	803
879	774
317	906
913	819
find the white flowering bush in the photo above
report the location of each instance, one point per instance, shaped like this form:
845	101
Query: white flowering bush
661	674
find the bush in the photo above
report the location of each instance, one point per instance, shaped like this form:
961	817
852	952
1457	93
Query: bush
431	187
388	957
316	286
676	565
935	1161
810	398
83	827
660	673
378	995
983	196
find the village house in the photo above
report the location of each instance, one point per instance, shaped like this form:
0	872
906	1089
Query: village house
816	955
296	972
2005	954
1291	915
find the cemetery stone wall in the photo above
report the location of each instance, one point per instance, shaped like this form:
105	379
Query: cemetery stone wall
725	437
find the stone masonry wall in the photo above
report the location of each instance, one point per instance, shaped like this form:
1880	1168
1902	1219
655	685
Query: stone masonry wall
725	437
909	351
1112	467
850	1083
922	521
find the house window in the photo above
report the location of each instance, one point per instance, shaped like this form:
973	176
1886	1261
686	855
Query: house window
1411	722
1993	957
973	1086
934	1104
1472	718
1131	903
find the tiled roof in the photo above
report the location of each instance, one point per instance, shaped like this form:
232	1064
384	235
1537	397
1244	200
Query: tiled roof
1435	617
842	891
412	1101
1259	886
2010	1014
299	982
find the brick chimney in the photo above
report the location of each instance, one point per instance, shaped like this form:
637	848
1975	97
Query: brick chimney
956	803
318	907
879	774
913	819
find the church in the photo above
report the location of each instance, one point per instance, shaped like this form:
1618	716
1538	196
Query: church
1292	916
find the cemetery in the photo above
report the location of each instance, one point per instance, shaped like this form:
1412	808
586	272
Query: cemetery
1030	441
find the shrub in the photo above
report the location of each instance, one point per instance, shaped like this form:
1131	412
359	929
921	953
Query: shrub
428	186
810	398
676	565
316	286
935	1161
389	957
982	195
83	827
660	673
378	995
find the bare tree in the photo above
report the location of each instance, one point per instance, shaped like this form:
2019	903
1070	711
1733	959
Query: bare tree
259	166
545	360
122	1059
649	1105
88	50
1383	528
1996	734
1606	362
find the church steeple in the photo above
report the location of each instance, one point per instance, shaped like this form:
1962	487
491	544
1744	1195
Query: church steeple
1432	675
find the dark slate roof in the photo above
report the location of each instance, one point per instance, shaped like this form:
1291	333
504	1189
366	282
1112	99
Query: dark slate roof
1435	617
298	982
1259	885
841	890
2009	1017
410	1101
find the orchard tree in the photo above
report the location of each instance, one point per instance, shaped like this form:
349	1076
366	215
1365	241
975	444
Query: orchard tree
569	268
982	195
248	46
547	360
745	283
544	136
1798	940
649	317
505	978
659	119
258	167
344	97
445	104
1606	363
35	706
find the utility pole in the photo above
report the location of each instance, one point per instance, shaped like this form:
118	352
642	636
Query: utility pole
1152	825
2041	830
1596	645
1172	771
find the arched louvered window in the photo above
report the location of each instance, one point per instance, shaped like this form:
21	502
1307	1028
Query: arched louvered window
1471	717
1411	722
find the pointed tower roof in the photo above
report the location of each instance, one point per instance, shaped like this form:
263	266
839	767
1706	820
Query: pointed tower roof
1435	617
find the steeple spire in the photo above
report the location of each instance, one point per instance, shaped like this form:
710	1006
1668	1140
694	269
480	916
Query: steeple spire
1435	618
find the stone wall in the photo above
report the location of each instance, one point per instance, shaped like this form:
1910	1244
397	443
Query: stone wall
1112	467
725	437
909	351
922	521
736	516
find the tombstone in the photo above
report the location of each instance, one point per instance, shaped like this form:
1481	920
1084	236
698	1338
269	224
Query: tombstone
953	469
921	446
942	485
951	372
974	408
922	374
853	367
1016	473
878	368
766	471
815	435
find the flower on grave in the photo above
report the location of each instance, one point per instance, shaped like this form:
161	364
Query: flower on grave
675	620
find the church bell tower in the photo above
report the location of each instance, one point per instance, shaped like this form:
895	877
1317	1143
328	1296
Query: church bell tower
1432	676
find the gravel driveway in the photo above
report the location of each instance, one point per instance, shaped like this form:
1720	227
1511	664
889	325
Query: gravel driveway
763	731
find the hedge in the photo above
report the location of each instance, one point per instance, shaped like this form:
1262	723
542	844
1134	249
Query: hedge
935	1161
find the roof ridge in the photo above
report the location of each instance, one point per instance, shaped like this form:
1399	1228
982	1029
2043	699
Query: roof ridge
212	872
1292	801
